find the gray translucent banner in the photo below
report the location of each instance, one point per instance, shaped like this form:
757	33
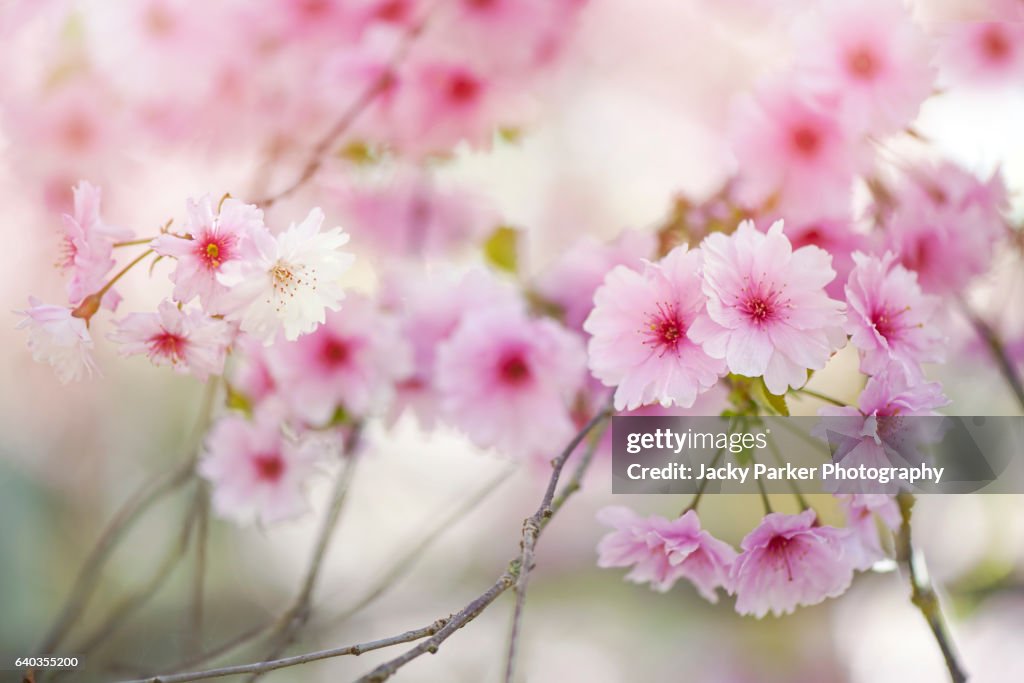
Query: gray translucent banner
852	454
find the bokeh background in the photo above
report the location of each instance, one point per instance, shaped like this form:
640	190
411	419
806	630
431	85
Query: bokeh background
633	116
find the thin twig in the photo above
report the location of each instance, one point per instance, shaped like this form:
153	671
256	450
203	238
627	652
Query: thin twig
703	484
821	397
264	667
195	644
531	530
995	347
406	562
923	593
774	448
348	117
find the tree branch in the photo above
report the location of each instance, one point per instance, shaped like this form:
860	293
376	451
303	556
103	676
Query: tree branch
923	593
998	352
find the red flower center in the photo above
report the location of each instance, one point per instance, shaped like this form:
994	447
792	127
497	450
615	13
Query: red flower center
513	369
995	44
393	11
213	249
664	329
806	140
269	466
863	63
463	88
169	345
335	352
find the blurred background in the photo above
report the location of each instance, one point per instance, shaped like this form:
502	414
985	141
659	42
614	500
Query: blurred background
632	116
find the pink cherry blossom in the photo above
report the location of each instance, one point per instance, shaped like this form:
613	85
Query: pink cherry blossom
413	216
188	341
570	282
507	380
946	225
794	153
869	58
790	560
56	337
351	362
286	282
835	235
256	470
662	551
767	311
250	373
861	512
987	50
213	240
88	247
430	307
889	318
641	339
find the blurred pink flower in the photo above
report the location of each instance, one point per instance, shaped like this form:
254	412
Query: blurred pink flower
88	249
250	370
861	510
889	318
351	362
767	311
869	59
286	282
213	240
836	236
257	472
641	333
790	560
413	217
570	282
985	52
190	342
58	338
661	551
429	309
794	153
946	224
506	380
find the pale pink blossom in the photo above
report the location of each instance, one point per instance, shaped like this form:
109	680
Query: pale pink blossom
794	153
188	341
430	307
570	282
767	311
257	471
946	225
413	216
869	59
288	281
351	362
788	561
250	374
863	510
506	380
835	235
641	340
987	50
889	318
57	337
662	551
213	239
88	247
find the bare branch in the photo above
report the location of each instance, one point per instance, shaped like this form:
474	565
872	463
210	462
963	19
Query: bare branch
923	593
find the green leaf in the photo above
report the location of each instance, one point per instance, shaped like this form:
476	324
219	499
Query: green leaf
236	400
776	403
502	249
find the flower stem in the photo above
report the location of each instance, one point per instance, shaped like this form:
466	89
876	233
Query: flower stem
134	243
131	264
923	593
998	351
703	484
822	397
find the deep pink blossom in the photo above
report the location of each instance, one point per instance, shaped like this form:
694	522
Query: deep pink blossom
188	341
350	362
213	239
662	551
256	470
869	59
58	338
767	311
641	339
889	318
794	153
790	560
507	380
